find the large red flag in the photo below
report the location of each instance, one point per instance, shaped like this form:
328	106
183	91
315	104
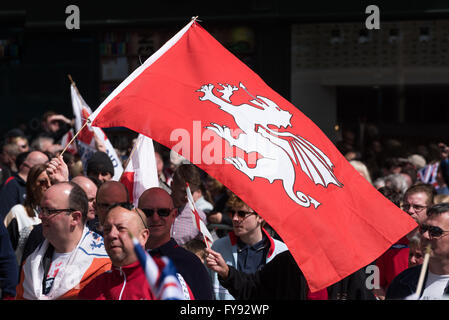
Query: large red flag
197	98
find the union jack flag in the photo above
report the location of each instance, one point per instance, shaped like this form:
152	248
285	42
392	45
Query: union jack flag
161	276
428	174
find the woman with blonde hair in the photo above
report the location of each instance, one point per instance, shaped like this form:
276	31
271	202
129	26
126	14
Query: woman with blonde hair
22	218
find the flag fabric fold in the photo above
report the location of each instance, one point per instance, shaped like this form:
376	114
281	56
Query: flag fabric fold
86	138
196	98
140	173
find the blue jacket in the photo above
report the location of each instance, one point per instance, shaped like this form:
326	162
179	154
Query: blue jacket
12	192
444	167
189	267
9	273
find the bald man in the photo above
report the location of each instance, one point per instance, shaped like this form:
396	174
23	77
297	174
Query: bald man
71	255
109	193
160	213
14	191
126	280
90	188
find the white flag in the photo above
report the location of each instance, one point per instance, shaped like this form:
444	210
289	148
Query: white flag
86	138
141	171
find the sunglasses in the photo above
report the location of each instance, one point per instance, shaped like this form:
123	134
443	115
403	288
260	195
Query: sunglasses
240	213
128	206
434	232
162	212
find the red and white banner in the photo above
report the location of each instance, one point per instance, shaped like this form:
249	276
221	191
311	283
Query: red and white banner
198	99
86	138
197	222
141	171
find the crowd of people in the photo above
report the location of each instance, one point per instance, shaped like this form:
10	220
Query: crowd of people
66	226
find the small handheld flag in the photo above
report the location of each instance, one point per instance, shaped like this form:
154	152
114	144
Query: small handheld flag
197	222
164	284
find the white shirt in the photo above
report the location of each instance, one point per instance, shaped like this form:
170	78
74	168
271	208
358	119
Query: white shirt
434	287
58	263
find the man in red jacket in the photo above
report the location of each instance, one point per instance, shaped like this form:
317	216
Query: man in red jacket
126	280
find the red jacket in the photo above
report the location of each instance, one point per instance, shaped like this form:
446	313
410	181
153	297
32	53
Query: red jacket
393	262
119	283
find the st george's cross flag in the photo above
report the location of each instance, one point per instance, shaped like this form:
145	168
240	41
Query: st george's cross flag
197	221
86	138
198	99
140	172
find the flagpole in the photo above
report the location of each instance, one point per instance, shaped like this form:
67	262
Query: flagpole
74	84
423	272
87	120
74	137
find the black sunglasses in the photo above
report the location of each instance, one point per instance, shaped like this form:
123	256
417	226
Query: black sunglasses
128	206
162	212
240	213
434	232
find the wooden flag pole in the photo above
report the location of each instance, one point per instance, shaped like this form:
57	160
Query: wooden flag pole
74	85
423	272
74	137
85	124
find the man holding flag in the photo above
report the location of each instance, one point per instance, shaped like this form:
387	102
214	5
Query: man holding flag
248	247
262	148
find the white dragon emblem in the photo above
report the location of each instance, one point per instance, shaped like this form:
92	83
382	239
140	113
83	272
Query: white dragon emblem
280	151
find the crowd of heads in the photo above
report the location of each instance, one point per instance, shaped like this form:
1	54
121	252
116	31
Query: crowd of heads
69	196
410	174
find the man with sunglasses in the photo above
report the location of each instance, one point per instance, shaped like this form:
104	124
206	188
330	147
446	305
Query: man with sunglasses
248	247
434	233
71	255
160	213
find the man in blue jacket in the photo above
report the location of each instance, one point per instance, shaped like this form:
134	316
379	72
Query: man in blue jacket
9	274
158	207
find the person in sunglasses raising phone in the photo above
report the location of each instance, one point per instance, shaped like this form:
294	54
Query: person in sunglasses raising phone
248	247
434	232
160	212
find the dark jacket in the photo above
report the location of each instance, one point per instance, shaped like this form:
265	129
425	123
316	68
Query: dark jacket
35	238
281	279
444	167
12	192
189	266
9	274
406	283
